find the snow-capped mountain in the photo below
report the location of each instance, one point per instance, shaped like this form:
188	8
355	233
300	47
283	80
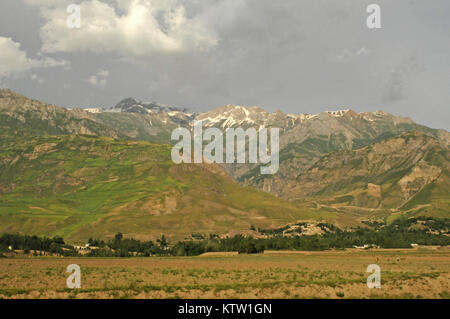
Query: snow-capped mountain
132	105
240	116
304	138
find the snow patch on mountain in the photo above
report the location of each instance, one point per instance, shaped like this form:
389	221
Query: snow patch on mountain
133	105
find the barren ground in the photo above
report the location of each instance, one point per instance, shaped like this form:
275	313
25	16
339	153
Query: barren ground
420	273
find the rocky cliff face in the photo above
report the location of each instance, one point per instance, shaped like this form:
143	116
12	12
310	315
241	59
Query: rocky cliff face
406	171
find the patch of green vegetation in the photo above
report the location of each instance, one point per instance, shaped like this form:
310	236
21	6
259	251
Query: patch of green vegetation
80	186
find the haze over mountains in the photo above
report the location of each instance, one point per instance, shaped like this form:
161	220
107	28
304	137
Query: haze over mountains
75	172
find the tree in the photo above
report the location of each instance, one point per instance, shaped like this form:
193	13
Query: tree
163	242
118	236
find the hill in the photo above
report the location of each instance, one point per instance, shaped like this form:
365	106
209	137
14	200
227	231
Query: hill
79	174
85	186
409	173
21	116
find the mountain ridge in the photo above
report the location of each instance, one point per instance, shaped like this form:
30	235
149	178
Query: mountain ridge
388	174
60	167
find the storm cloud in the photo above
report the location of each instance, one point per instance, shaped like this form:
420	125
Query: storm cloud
297	56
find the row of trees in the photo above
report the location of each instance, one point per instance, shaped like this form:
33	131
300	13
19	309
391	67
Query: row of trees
120	247
399	234
337	240
27	243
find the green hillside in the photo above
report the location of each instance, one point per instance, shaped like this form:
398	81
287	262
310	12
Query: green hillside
84	186
79	175
22	116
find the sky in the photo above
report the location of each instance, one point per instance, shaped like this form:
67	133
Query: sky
297	56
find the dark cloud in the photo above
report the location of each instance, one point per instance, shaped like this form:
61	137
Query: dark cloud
298	56
396	81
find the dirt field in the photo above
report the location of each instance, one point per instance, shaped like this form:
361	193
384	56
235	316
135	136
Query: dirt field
418	273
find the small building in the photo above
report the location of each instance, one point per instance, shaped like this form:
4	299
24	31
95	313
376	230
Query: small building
361	247
85	247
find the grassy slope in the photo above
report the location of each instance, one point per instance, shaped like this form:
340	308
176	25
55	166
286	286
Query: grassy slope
22	116
83	186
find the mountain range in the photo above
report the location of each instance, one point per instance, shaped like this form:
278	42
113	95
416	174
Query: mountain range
80	172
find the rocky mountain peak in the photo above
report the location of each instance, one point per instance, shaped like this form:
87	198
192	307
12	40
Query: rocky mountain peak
9	94
132	105
340	113
234	115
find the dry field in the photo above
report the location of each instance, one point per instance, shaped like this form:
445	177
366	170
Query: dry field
422	273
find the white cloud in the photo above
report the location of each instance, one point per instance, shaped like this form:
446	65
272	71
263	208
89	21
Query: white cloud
15	61
48	62
12	58
37	78
346	55
99	79
132	29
